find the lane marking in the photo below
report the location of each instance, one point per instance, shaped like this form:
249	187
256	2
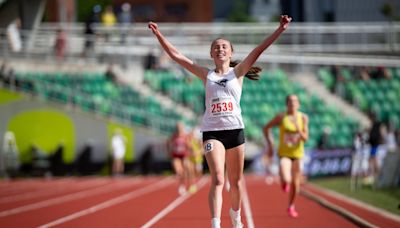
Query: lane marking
12	187
174	204
114	201
53	189
58	200
246	206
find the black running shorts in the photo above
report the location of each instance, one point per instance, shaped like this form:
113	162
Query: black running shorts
229	138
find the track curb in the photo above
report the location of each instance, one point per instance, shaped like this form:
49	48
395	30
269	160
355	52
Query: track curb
360	222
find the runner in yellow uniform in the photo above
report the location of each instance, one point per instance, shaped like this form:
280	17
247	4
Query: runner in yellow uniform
293	132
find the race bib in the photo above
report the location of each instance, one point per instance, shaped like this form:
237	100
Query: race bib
221	106
291	139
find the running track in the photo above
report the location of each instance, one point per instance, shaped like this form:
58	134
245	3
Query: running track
154	202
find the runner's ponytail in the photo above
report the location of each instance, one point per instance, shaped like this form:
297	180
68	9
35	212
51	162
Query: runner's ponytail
252	74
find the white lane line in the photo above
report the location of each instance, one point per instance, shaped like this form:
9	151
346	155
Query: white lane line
53	189
173	205
114	201
59	200
31	185
246	206
16	184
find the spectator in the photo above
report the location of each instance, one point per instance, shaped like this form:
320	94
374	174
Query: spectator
118	145
125	18
358	142
375	139
60	44
83	162
56	160
90	30
339	80
381	73
14	37
364	74
9	156
146	160
151	61
9	79
40	161
323	141
359	160
108	19
110	74
397	137
3	72
391	142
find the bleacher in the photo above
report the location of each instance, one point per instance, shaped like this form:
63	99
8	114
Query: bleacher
380	96
94	93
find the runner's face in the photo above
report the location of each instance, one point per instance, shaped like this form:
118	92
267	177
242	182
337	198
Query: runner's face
221	50
292	103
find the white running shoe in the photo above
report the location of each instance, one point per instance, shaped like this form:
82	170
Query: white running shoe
182	190
236	220
215	223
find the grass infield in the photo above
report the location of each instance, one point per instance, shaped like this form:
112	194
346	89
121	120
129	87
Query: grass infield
386	198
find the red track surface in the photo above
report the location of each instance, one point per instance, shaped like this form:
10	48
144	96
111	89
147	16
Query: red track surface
153	202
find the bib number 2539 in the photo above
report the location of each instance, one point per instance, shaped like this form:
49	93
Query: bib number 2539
222	108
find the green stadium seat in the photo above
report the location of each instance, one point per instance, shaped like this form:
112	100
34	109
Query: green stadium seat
326	77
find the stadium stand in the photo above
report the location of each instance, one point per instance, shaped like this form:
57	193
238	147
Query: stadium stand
92	92
378	95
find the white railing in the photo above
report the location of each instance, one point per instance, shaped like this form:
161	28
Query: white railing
307	43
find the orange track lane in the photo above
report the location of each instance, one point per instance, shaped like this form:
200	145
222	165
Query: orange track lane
136	201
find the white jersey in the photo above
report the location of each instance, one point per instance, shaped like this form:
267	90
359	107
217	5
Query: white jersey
222	102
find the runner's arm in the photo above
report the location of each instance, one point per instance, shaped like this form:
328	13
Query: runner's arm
177	56
243	67
267	133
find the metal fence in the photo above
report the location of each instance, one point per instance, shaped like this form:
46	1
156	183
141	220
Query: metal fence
304	43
